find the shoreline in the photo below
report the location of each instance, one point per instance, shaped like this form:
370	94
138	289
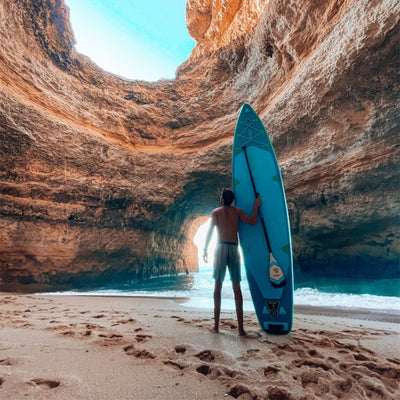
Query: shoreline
141	347
383	315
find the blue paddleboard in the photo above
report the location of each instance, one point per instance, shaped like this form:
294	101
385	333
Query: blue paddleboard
266	246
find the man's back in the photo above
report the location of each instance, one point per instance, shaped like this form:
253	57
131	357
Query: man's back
226	219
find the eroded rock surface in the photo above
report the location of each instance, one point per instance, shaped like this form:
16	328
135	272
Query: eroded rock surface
101	178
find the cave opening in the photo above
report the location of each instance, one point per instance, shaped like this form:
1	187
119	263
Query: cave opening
199	239
152	36
195	233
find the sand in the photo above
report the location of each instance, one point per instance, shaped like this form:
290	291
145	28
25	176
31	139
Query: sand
81	347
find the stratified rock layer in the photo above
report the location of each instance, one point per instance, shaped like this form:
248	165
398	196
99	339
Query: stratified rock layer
102	179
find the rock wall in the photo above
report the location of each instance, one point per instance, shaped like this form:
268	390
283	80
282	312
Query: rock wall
102	179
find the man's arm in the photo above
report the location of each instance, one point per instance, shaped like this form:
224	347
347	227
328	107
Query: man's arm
253	219
208	238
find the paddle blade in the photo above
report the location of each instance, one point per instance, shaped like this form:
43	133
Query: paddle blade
276	275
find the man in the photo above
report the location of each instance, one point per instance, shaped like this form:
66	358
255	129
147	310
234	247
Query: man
226	219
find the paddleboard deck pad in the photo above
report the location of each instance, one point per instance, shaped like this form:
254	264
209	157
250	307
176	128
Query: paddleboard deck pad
266	246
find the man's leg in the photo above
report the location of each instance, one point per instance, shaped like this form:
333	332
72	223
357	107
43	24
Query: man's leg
217	304
239	306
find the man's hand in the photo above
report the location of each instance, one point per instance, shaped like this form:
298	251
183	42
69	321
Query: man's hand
257	202
205	256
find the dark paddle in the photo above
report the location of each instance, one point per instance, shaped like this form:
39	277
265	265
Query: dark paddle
275	271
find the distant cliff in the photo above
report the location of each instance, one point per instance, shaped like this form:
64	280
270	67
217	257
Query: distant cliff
103	179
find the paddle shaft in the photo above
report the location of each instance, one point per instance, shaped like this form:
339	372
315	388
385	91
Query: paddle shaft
257	194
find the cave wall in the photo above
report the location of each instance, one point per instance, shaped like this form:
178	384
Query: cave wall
101	177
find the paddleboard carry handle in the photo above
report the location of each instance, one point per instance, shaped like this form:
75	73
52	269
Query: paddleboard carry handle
276	275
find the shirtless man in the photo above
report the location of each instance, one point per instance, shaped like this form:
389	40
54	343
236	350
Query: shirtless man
226	219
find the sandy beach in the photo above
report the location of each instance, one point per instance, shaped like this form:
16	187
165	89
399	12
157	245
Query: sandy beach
81	347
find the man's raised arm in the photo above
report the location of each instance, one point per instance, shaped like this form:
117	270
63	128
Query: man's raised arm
253	219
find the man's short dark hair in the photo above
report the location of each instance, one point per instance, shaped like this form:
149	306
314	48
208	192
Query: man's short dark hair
227	196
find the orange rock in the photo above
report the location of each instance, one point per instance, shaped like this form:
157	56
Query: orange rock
101	177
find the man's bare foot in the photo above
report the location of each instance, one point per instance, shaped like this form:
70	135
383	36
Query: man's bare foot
214	330
242	332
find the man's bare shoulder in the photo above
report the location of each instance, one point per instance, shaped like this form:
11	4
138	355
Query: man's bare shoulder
240	213
214	215
221	208
216	210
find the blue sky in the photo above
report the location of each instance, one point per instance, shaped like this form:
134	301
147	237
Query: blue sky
136	39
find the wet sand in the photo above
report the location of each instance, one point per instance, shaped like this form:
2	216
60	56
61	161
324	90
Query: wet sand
87	347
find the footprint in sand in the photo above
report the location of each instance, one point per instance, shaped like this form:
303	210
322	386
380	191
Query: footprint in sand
144	354
206	355
68	333
240	391
180	349
132	351
129	350
250	353
312	364
394	361
180	319
333	360
315	353
215	372
142	337
228	324
7	361
204	369
91	326
174	364
275	393
308	378
109	339
46	383
110	336
360	357
125	321
270	371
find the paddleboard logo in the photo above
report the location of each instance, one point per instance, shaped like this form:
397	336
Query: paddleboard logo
276	275
273	307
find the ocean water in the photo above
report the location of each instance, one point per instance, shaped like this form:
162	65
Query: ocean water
198	287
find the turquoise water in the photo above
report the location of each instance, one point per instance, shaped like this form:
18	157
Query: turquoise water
381	294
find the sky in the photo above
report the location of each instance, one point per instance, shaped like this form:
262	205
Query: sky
136	39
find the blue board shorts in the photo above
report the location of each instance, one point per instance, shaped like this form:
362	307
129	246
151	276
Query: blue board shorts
227	254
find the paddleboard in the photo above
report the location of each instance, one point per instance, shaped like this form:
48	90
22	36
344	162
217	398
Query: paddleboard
266	246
